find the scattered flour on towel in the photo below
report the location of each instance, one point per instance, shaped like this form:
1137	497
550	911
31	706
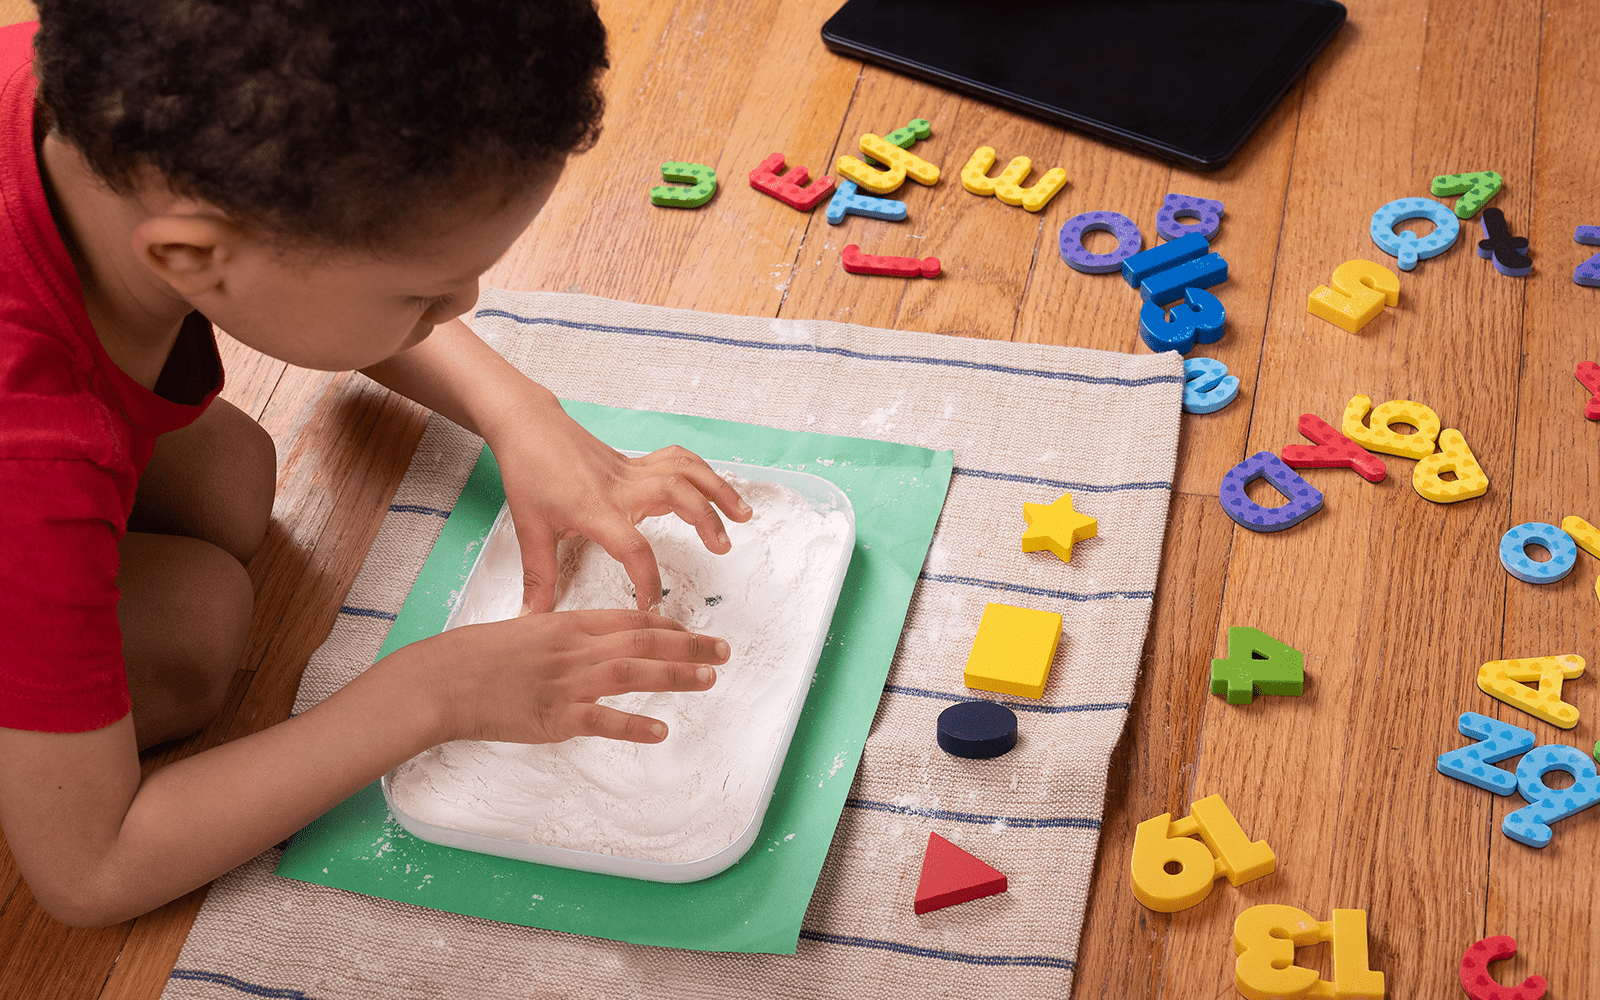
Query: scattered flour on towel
693	794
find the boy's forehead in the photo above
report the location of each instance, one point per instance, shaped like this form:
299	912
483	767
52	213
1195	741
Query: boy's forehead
451	244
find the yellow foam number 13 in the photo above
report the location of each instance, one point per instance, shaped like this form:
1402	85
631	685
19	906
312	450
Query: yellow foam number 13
1265	937
1360	291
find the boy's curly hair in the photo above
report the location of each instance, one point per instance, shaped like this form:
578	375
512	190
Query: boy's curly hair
324	122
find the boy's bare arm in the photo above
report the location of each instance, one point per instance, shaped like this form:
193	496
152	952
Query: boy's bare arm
98	845
455	373
559	479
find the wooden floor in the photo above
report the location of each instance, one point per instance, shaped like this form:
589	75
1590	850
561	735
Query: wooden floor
1394	601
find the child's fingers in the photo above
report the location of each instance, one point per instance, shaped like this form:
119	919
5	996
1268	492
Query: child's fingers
603	621
693	508
624	543
659	644
705	479
601	720
625	676
656	660
539	568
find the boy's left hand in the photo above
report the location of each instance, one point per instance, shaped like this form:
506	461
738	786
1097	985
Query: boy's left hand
561	480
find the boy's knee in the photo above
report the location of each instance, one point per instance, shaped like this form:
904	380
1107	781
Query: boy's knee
185	618
258	459
221	600
213	480
244	453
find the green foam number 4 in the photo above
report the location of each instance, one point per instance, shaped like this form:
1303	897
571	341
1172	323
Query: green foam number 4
1257	663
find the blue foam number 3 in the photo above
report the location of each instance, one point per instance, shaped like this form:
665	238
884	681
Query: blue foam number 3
1198	320
1474	763
1531	824
1405	244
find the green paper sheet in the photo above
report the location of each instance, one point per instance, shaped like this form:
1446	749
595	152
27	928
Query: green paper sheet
757	904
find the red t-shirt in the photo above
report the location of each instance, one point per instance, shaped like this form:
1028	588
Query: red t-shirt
75	433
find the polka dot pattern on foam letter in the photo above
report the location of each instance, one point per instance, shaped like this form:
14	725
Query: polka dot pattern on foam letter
1183	206
1405	245
1514	552
1075	254
1588	273
1304	499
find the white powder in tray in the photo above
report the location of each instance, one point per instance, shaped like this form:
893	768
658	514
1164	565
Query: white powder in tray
691	795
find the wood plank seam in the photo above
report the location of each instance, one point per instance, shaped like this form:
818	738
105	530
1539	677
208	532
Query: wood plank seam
820	212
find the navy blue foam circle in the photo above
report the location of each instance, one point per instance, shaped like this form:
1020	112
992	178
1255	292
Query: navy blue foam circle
977	730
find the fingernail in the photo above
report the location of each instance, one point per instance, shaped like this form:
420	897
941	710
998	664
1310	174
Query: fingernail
722	650
744	507
722	537
704	675
658	730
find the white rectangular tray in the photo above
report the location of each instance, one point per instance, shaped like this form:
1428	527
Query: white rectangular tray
824	496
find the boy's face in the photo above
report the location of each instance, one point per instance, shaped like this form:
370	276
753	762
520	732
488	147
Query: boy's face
339	312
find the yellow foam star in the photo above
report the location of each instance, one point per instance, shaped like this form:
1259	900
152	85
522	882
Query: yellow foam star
1055	526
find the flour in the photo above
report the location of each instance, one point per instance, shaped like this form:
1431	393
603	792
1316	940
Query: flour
693	794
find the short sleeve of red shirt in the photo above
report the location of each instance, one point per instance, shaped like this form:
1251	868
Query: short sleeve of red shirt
75	433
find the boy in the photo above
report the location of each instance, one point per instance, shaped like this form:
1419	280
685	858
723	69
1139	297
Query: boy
326	182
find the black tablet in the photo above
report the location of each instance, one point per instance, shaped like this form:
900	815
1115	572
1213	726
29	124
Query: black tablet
1188	80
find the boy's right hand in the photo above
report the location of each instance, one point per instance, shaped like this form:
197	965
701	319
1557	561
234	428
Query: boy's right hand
535	679
99	843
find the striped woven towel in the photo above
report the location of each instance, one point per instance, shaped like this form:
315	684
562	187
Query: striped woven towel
1027	423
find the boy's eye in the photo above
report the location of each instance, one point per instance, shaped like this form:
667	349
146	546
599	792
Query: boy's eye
432	303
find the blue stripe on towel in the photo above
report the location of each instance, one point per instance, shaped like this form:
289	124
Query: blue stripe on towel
979	819
387	616
217	978
1065	595
1060	484
1033	961
411	508
1109	706
844	352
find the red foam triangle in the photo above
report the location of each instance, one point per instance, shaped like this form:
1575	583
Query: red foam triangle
951	875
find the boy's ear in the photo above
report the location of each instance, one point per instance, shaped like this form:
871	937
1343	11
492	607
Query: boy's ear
188	252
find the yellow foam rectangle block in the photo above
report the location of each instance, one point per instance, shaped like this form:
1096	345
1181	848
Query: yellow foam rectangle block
1013	650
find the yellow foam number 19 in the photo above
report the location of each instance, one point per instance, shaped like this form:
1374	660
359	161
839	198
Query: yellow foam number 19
1360	291
1265	937
1172	871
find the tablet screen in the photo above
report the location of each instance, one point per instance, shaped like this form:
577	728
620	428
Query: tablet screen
1188	79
